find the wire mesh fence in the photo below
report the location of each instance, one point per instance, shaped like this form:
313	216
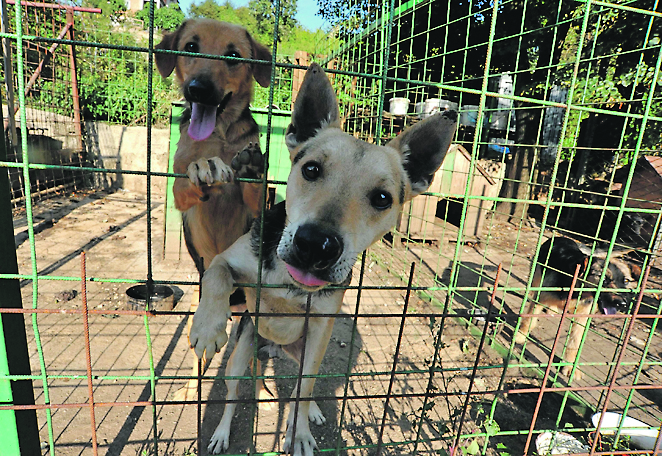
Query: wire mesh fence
558	136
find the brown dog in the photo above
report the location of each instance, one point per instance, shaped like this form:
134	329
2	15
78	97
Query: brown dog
218	132
557	261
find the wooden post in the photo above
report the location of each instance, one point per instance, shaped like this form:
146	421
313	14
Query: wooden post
300	58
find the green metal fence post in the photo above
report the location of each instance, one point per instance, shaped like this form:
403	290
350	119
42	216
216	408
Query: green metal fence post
20	434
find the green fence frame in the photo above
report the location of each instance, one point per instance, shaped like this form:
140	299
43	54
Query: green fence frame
367	58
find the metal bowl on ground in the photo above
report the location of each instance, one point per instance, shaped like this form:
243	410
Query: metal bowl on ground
162	297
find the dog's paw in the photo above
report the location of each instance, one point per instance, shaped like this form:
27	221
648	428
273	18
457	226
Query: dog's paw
208	333
315	414
304	444
209	172
249	162
187	393
566	370
520	338
220	441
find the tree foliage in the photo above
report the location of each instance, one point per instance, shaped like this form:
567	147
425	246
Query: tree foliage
349	18
165	18
264	12
111	9
224	12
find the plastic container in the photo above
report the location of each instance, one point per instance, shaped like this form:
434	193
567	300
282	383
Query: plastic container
499	120
434	105
398	106
469	115
419	108
163	298
642	438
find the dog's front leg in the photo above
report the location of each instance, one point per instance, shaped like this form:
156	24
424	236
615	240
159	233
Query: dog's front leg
577	327
204	176
317	339
208	331
249	163
528	323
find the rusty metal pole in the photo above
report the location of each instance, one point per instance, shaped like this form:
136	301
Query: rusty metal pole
74	80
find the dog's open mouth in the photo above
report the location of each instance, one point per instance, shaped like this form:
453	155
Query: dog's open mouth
203	119
609	310
305	278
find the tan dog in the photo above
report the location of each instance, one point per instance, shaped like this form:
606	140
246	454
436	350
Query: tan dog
561	256
343	195
219	131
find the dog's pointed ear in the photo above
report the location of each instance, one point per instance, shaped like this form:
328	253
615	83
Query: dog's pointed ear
584	267
166	62
423	148
315	108
261	72
635	270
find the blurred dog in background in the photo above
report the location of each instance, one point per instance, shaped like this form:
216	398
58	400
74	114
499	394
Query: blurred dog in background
557	262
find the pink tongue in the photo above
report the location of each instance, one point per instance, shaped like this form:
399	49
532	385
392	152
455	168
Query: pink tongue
203	121
304	278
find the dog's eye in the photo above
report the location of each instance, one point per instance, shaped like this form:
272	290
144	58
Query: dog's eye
192	46
381	200
234	54
311	171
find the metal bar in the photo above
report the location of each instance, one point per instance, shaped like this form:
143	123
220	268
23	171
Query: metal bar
348	369
297	385
472	379
20	74
88	354
614	377
625	8
14	356
396	356
358	397
543	382
150	272
258	289
201	266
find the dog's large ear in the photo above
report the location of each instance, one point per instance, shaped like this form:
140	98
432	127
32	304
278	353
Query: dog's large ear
166	62
423	148
315	108
635	270
261	72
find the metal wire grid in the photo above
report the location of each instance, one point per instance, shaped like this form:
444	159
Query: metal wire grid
54	136
374	78
426	35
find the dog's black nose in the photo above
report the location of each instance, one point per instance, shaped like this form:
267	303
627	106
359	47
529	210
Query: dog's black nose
316	248
199	91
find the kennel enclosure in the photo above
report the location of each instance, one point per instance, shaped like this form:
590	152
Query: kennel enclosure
560	116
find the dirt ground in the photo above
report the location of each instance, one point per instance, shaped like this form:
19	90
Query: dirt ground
112	230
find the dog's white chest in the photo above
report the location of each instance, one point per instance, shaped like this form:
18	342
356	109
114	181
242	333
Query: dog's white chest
281	329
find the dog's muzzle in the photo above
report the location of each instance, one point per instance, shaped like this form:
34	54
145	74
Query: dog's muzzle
201	90
314	251
206	104
611	303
